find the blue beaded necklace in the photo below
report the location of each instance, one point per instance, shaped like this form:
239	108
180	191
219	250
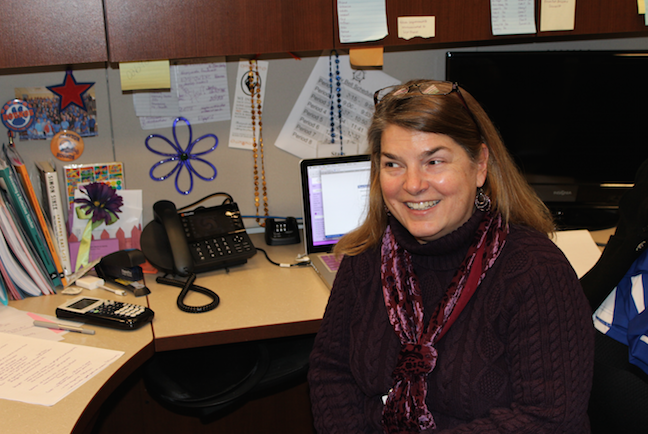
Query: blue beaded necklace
338	92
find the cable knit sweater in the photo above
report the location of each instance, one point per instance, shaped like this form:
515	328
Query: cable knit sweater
518	359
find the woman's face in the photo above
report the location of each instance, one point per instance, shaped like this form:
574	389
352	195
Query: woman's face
428	181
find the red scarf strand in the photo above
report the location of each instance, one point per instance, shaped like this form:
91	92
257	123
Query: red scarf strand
405	409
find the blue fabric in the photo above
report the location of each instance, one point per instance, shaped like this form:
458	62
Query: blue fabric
623	315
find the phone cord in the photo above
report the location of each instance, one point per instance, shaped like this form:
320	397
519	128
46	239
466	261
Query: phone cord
186	287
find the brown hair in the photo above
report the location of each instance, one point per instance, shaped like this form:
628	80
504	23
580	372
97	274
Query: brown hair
455	113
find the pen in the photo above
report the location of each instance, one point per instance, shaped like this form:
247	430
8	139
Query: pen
53	325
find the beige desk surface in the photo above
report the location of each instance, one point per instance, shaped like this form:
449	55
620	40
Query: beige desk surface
258	300
76	411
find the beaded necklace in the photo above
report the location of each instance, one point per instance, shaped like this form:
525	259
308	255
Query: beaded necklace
338	90
254	84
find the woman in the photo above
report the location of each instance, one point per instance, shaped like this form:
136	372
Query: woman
452	310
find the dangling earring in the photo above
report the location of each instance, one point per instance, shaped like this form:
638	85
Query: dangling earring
482	201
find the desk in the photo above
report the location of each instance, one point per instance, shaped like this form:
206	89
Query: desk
76	411
258	301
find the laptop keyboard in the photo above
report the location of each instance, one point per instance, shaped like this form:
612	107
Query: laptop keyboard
331	261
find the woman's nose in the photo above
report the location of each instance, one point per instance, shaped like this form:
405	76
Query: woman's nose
415	182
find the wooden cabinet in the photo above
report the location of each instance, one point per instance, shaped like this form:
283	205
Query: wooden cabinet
52	32
469	21
604	17
176	29
60	32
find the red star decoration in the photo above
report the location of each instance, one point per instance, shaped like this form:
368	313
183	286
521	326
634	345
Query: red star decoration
70	92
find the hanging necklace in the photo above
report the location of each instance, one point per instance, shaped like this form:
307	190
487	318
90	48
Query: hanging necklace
338	91
254	84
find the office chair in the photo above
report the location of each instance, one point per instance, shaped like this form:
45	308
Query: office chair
619	398
207	382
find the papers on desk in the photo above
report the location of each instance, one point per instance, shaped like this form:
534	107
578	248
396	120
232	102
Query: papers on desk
38	371
580	249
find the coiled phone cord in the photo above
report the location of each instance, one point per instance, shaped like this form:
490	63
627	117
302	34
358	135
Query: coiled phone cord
186	287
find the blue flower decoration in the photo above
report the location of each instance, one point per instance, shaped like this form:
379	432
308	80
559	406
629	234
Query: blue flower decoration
183	158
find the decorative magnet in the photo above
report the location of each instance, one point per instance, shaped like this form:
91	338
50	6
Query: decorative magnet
17	115
67	145
70	92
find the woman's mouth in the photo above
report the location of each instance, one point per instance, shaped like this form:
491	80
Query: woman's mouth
421	206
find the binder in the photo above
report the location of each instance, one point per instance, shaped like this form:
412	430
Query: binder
27	218
54	208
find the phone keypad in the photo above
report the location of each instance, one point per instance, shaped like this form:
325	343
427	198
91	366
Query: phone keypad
220	247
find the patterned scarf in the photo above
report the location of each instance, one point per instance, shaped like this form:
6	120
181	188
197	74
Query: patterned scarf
405	409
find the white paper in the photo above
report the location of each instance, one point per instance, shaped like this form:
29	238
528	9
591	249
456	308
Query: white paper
362	20
513	17
18	322
241	125
202	93
306	132
412	27
580	249
158	103
38	371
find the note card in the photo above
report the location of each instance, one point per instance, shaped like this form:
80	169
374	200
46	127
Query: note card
362	20
557	15
512	17
145	75
411	27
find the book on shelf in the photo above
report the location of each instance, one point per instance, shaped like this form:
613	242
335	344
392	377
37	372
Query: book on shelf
23	269
54	208
29	218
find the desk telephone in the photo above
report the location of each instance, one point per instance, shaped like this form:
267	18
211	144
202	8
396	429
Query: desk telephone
196	241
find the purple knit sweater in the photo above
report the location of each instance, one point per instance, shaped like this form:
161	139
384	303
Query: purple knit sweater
518	359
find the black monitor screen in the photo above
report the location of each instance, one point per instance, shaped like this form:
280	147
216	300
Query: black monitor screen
578	115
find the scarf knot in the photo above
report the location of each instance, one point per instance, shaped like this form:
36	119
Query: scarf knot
415	360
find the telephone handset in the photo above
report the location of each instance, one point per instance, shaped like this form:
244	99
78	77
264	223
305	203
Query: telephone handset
196	241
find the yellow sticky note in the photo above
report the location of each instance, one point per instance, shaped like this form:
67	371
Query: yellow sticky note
641	6
145	75
372	56
557	15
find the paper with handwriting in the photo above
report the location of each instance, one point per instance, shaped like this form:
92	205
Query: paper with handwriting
198	92
37	371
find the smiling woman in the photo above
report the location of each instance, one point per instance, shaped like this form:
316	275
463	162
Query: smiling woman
451	308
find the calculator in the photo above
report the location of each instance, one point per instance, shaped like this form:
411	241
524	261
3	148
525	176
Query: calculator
109	313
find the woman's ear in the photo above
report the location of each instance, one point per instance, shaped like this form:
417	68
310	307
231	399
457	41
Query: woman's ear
482	165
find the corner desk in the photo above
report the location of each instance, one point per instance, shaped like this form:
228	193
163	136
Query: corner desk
258	300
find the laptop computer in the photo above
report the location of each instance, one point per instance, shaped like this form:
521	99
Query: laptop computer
335	199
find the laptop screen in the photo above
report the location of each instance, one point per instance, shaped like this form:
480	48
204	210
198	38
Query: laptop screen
335	195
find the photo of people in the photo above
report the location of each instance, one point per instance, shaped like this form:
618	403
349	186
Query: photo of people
48	120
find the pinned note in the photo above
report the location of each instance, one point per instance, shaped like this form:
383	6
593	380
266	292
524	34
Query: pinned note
513	17
411	27
372	56
557	15
145	75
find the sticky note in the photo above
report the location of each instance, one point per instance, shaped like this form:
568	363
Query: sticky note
366	56
557	15
145	75
411	27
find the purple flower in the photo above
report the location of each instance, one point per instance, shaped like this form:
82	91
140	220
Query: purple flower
103	203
